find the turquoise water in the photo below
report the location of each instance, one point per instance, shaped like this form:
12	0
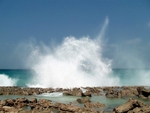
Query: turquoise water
21	75
133	77
126	76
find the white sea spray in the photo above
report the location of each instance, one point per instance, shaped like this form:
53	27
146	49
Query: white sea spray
73	63
5	80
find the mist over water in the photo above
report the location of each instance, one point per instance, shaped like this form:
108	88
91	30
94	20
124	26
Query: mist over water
73	63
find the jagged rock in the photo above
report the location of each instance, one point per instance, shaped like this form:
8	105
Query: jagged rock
113	94
3	102
94	90
69	108
22	100
83	100
33	100
129	91
144	109
129	105
10	109
87	94
45	103
73	92
10	102
143	93
93	105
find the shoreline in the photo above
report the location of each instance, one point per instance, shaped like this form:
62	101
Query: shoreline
132	95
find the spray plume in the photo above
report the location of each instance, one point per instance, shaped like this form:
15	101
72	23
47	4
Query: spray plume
73	63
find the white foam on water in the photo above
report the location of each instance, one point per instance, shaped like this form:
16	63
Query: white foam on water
54	94
73	63
5	80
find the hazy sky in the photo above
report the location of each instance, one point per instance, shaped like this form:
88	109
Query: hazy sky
127	38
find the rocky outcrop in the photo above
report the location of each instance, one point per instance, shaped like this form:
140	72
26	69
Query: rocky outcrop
120	92
130	106
94	90
20	105
110	92
84	103
88	104
144	93
24	91
73	92
113	94
93	105
129	91
83	100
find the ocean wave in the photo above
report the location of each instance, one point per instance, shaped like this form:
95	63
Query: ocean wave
7	81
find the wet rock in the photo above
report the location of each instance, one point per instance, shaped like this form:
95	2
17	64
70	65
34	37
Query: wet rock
144	109
83	100
129	91
93	105
10	109
10	102
94	90
129	105
73	92
69	108
21	102
33	100
45	103
113	94
3	102
87	94
143	92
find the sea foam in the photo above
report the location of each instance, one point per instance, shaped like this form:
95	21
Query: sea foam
7	81
73	63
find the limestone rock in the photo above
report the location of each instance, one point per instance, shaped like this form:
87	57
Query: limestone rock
129	105
83	100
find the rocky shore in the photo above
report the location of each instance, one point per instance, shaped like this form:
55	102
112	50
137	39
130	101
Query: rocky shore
83	104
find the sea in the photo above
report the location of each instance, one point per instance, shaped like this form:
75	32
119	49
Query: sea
126	77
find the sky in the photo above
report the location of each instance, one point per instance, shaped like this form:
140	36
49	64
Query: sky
127	39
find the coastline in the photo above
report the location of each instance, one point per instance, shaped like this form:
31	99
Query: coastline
26	100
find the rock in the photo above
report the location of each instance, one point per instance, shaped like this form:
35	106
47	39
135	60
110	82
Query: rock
113	94
73	92
93	90
3	102
10	109
45	103
33	100
129	91
93	105
144	93
98	105
83	100
129	105
69	108
10	102
87	94
21	102
144	109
